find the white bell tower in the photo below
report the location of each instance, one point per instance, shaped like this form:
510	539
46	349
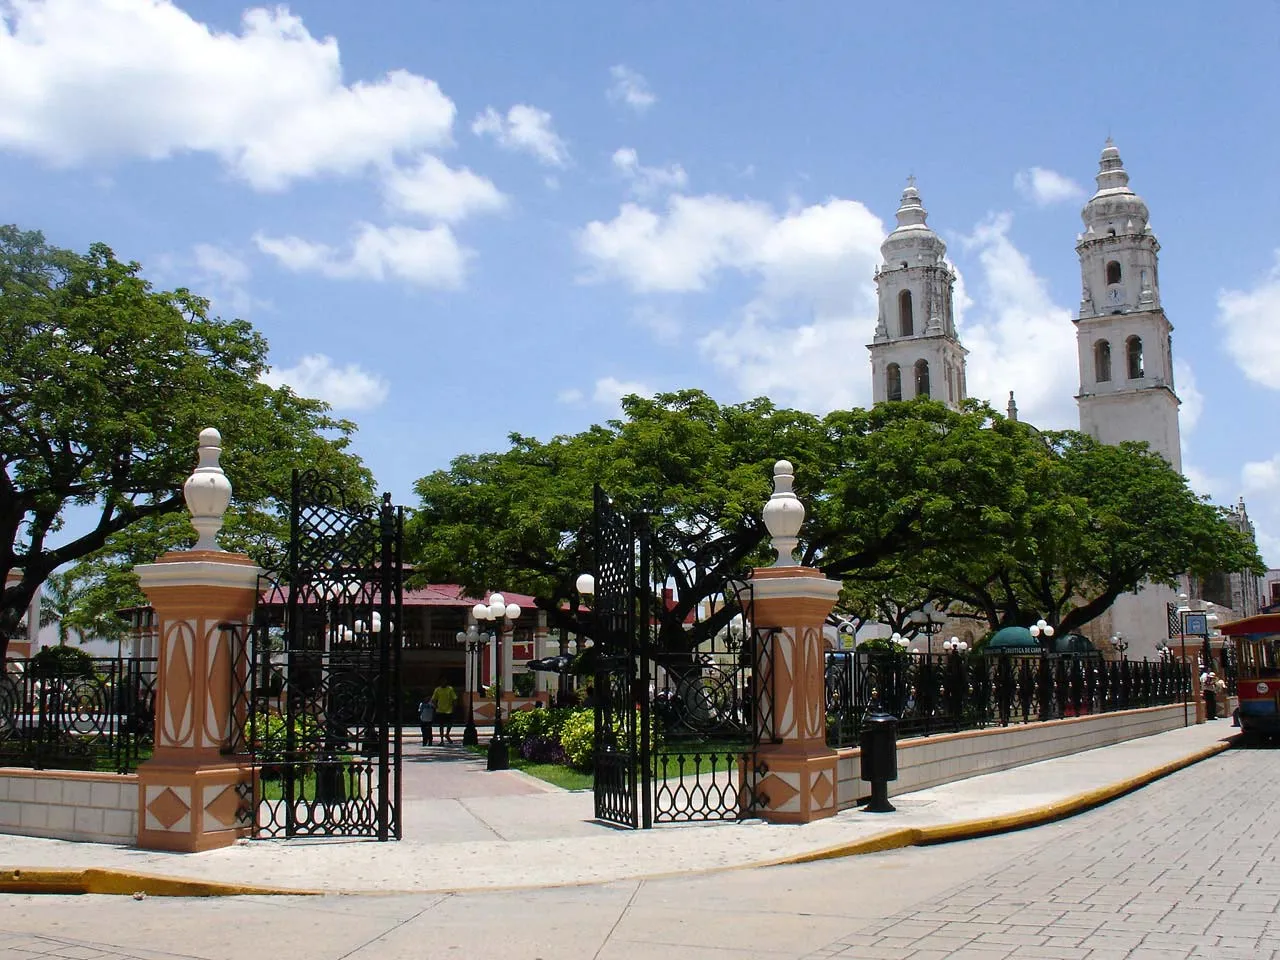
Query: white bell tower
916	351
1125	349
1124	340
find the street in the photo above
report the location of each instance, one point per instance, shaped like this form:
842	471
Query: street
1186	867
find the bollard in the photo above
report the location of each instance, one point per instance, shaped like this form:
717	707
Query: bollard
879	757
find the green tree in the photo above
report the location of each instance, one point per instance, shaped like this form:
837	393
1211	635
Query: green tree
105	384
58	601
700	471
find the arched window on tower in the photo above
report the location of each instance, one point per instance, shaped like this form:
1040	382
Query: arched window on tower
1113	272
906	324
922	378
893	382
1133	353
1102	361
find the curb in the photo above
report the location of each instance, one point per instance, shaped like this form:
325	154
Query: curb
126	882
42	880
987	826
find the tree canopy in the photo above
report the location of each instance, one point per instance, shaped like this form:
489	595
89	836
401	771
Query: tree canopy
907	502
105	384
521	519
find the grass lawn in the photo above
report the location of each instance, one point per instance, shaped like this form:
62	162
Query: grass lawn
669	766
566	778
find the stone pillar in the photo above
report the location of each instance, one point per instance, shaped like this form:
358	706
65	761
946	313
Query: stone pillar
800	781
191	794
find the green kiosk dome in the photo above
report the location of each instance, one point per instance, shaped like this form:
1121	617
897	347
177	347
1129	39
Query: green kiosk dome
1019	640
1013	640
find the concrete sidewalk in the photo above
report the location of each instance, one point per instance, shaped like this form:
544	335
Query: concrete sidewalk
522	833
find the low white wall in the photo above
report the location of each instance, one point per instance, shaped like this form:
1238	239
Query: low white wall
928	761
69	805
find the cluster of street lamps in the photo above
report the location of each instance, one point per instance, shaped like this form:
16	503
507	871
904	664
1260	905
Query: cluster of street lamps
498	611
1039	629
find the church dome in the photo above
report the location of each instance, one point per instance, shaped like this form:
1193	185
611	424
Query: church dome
1114	209
912	242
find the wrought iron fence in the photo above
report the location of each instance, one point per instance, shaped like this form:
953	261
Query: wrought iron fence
98	716
950	692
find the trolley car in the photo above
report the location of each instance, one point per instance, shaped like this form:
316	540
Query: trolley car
1257	647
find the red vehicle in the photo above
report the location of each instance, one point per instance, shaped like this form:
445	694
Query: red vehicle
1257	647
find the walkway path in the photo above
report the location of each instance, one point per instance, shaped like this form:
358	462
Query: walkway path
521	833
1188	867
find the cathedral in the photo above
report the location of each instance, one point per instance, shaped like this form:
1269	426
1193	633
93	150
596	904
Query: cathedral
1124	342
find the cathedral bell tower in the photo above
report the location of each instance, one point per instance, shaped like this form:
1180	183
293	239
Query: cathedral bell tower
1124	340
915	352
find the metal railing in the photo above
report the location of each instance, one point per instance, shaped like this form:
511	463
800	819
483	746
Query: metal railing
98	716
951	691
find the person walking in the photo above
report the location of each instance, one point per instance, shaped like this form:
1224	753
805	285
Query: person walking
426	717
444	699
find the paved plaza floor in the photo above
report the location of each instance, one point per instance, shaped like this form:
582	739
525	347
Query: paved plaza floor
468	829
1186	867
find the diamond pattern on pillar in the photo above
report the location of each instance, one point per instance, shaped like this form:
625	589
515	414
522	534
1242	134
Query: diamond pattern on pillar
225	807
821	791
168	808
779	792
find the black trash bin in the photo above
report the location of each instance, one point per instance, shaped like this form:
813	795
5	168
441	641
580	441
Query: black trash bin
879	758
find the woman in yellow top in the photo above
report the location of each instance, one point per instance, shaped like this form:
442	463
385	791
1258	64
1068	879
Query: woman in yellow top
445	698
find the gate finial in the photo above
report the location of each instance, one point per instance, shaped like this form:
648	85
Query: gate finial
208	491
783	515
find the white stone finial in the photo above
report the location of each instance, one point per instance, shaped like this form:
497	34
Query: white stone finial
208	491
783	515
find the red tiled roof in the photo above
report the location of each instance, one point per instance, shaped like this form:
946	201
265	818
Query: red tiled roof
432	595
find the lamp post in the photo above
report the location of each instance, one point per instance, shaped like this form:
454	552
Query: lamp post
955	645
1041	629
1120	645
472	641
497	610
929	619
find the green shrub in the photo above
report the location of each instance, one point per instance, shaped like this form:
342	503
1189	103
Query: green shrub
61	661
577	736
518	725
271	735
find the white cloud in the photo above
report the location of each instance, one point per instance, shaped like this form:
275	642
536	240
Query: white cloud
525	129
1184	379
1018	338
1251	319
1261	476
1261	481
631	89
571	396
220	263
1046	187
430	258
802	334
434	190
664	327
343	388
85	79
645	181
612	390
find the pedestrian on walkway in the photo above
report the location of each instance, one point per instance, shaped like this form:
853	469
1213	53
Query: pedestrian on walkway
444	699
426	717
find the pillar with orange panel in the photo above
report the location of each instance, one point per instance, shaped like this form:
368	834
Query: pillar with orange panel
192	796
798	781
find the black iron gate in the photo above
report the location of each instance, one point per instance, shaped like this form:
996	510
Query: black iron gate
713	707
676	731
320	673
621	730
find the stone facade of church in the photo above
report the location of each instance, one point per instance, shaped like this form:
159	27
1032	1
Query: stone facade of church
1124	343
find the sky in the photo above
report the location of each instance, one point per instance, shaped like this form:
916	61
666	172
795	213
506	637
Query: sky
458	220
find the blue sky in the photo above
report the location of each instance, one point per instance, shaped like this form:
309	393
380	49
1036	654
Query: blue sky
456	220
